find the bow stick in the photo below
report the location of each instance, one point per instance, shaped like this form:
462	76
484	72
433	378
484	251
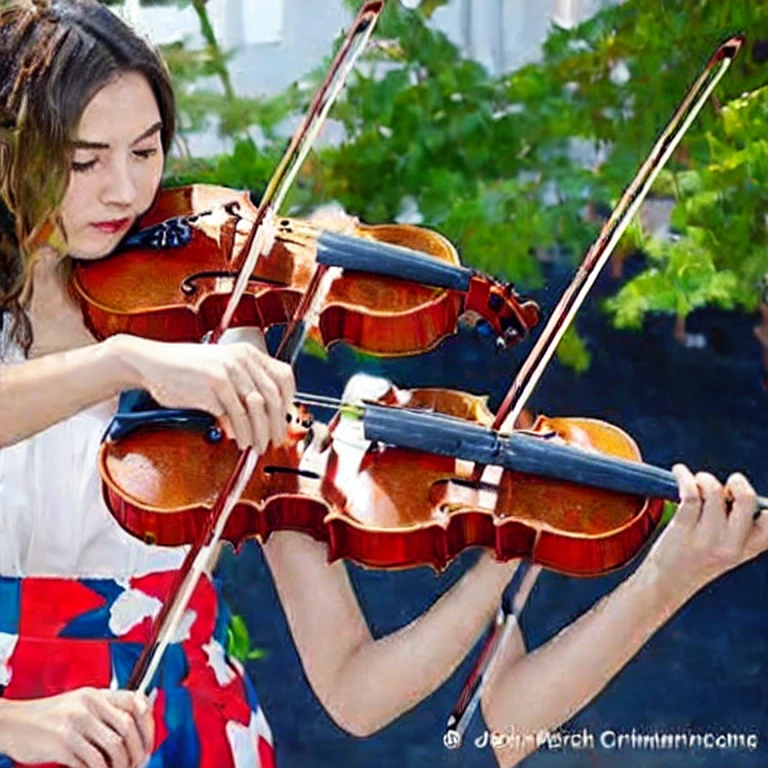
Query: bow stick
533	367
259	241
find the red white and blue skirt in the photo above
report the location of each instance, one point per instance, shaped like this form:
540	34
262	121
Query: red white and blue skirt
60	634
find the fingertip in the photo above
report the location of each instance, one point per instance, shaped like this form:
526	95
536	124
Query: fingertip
685	481
739	483
142	702
683	474
708	483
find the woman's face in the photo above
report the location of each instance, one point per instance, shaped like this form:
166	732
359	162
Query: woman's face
116	166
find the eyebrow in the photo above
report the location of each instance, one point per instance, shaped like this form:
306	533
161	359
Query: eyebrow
80	144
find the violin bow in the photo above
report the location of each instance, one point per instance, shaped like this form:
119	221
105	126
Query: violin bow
533	367
258	242
298	149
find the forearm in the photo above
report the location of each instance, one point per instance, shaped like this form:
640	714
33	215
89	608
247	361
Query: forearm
385	677
8	727
38	393
543	689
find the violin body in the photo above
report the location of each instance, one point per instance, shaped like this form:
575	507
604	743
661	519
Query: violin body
383	507
172	279
565	527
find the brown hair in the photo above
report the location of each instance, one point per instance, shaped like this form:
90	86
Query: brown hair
55	55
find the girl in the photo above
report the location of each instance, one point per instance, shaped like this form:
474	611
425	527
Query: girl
87	116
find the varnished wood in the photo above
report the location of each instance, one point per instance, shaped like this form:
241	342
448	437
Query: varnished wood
384	507
140	291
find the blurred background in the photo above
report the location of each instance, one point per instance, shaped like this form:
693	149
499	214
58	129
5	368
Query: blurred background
512	127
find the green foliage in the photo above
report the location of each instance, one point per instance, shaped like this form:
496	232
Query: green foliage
512	167
239	641
573	352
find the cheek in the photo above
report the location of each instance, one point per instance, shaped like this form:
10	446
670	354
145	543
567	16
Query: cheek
148	183
78	200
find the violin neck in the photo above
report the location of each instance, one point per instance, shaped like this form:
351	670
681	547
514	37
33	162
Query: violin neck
363	255
520	452
541	456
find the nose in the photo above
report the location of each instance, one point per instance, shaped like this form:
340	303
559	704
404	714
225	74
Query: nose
119	188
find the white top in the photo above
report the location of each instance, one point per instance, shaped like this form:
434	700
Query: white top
53	519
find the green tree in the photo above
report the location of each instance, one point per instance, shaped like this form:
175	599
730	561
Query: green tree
491	161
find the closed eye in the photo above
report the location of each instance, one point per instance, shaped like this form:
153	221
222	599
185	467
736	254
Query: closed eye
80	167
145	153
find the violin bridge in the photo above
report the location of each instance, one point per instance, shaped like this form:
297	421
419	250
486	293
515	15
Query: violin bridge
484	492
488	492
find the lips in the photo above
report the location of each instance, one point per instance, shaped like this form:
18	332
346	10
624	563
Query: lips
111	227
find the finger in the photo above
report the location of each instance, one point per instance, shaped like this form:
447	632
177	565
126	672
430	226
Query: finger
147	720
237	414
148	730
689	508
257	413
124	714
255	401
712	522
252	398
274	406
102	735
757	538
111	744
743	506
67	755
84	753
227	428
282	374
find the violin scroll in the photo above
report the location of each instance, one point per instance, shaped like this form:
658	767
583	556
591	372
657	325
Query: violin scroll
510	316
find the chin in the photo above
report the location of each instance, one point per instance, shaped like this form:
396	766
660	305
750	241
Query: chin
92	248
89	254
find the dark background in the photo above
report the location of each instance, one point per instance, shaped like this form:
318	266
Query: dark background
703	672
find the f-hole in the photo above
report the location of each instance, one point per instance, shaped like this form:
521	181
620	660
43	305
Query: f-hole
274	470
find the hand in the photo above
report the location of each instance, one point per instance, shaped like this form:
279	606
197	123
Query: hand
249	391
713	531
86	727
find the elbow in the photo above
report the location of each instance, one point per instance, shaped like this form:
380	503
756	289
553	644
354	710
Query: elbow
507	749
360	706
354	714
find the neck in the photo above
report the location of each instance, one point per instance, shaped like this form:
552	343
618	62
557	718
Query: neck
57	323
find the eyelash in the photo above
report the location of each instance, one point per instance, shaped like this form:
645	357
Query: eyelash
144	154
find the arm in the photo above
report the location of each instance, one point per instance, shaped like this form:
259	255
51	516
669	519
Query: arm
79	378
238	383
540	691
365	683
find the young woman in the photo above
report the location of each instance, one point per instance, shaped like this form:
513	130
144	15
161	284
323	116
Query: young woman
87	116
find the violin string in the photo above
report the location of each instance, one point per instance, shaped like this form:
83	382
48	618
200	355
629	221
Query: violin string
319	400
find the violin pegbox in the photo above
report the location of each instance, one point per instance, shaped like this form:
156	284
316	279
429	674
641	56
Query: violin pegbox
511	316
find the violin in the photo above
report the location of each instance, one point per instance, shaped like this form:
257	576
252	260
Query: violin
397	289
390	485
